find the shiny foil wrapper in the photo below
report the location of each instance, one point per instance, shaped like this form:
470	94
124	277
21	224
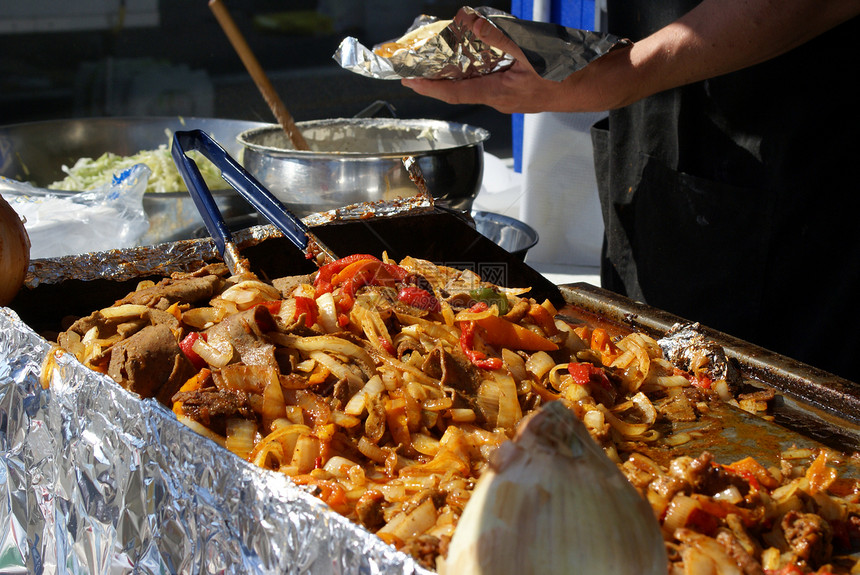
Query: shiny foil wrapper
188	255
96	481
453	54
554	51
688	348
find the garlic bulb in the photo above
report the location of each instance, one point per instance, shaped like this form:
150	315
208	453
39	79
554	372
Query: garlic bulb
552	502
14	252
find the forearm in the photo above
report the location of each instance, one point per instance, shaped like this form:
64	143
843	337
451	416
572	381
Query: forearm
715	38
719	37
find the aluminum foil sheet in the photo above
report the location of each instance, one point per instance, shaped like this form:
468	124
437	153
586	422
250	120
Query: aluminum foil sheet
96	481
690	350
454	53
188	255
554	51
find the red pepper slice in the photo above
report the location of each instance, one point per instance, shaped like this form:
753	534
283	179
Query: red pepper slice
353	272
273	306
418	297
467	344
585	373
362	273
322	281
595	380
388	346
307	306
187	348
543	318
697	380
369	272
602	342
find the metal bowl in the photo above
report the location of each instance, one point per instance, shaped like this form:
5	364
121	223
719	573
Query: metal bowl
358	160
510	233
35	152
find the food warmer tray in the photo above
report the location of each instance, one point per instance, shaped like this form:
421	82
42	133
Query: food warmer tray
810	401
811	407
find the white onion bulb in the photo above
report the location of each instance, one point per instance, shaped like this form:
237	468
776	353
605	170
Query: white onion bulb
551	501
14	252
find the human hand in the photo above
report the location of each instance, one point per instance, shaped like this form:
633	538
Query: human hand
519	89
505	91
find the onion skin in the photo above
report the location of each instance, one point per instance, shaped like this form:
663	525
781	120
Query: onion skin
551	501
14	252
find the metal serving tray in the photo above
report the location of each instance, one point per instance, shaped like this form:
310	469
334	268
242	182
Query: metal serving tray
812	402
118	485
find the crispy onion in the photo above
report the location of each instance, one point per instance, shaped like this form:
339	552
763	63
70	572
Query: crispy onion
216	353
467	315
540	363
248	293
330	345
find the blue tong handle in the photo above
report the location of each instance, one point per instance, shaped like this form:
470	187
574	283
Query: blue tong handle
241	180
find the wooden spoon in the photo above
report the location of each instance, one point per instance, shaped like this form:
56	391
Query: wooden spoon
282	115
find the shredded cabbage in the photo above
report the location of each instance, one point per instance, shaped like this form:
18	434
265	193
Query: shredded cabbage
89	174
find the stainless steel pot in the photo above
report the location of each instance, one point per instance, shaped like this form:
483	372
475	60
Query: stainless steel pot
358	160
36	151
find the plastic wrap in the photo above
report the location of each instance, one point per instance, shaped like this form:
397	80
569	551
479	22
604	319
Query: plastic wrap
60	224
554	51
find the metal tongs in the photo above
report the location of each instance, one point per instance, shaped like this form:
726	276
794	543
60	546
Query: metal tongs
250	189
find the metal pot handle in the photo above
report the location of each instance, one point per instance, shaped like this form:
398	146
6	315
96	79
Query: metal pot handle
377	106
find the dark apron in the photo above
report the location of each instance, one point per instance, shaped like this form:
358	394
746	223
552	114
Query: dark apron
734	202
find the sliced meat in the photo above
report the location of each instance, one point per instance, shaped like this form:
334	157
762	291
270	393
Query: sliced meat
369	509
340	394
286	285
747	563
425	548
705	476
458	374
244	331
407	345
374	425
187	289
809	535
677	408
213	407
150	363
519	311
85	324
121	327
128	328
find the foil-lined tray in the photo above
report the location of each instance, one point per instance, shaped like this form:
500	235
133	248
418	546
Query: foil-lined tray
94	480
97	481
812	404
183	256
